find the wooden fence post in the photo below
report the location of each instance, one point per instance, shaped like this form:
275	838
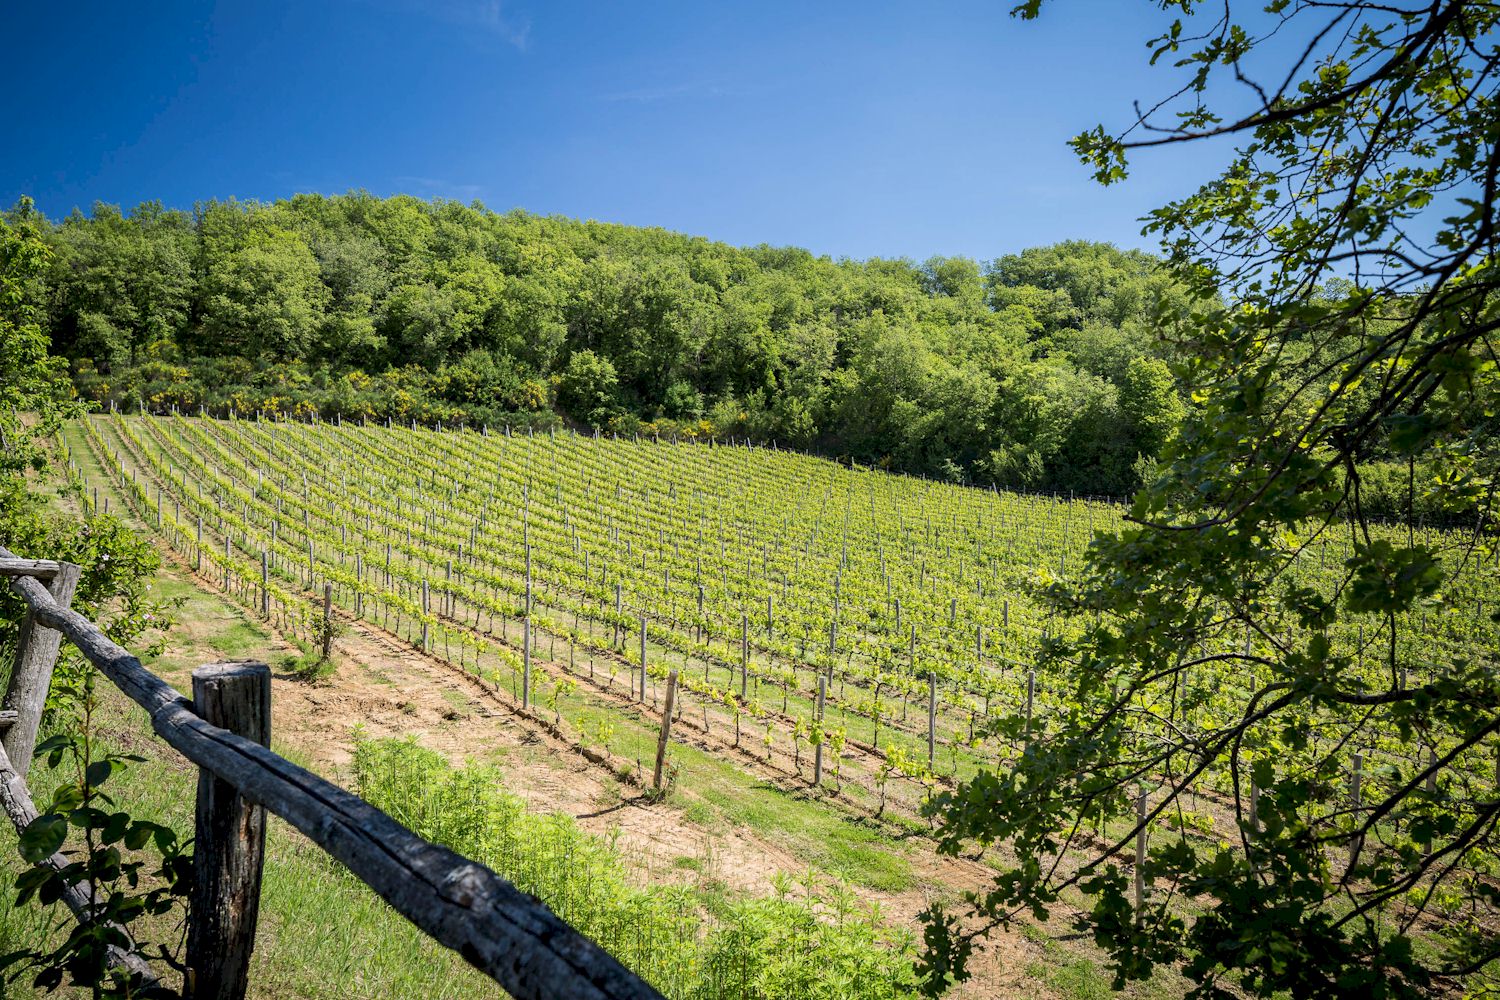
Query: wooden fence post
666	729
229	838
642	696
31	673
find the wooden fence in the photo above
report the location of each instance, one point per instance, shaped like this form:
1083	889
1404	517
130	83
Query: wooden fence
225	730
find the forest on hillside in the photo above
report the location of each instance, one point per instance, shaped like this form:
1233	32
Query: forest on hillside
1040	370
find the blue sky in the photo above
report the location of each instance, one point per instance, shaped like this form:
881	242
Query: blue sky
852	129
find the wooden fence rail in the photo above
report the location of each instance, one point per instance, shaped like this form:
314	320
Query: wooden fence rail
510	936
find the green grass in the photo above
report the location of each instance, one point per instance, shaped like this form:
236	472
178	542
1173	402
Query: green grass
687	941
713	791
368	951
459	702
1076	977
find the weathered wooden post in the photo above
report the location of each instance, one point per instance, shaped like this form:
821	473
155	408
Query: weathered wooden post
818	722
526	637
744	653
1030	699
31	673
426	604
265	590
1140	857
1254	807
642	695
1356	842
619	635
229	838
1431	786
931	719
227	556
666	729
198	547
327	622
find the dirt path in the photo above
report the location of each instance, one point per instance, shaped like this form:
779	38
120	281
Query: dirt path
384	688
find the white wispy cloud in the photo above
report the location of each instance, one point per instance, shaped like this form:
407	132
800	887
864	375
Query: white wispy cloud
489	18
440	187
513	29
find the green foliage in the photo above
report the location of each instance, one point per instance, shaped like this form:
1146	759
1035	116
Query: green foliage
439	312
107	862
807	940
1334	333
35	384
589	389
111	868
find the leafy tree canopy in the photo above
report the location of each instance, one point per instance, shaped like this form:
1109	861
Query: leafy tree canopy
1340	306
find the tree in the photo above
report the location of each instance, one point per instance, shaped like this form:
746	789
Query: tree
1087	281
1148	398
265	298
1370	154
35	383
589	388
120	284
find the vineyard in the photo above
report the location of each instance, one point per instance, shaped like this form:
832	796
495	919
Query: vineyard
868	635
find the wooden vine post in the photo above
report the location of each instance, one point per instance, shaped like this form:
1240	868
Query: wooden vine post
744	654
642	694
666	730
229	838
526	637
426	608
327	622
1030	700
31	673
818	721
931	720
265	589
1356	842
1140	857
